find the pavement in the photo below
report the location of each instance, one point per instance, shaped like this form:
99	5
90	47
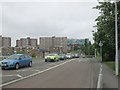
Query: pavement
110	80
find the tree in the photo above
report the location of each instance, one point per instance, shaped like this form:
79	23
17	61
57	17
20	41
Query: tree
106	29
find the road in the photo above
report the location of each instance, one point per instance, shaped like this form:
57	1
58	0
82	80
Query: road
74	73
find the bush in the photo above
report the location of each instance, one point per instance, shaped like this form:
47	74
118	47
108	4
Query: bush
33	55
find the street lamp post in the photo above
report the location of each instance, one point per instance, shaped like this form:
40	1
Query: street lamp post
116	41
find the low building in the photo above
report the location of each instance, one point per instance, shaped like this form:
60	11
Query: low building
74	44
7	51
80	42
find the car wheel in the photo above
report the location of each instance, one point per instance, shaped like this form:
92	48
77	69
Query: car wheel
30	64
16	66
2	68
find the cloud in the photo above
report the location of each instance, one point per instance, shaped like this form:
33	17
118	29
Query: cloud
71	19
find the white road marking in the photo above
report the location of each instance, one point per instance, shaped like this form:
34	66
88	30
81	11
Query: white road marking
19	75
34	74
80	60
100	78
24	69
12	75
35	70
28	70
9	75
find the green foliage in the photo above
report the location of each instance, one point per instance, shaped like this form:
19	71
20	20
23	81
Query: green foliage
88	49
106	29
111	64
33	55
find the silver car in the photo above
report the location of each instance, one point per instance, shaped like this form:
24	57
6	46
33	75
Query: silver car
69	56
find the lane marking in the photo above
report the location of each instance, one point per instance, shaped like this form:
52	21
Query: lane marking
24	69
18	75
22	78
9	75
80	60
100	78
35	70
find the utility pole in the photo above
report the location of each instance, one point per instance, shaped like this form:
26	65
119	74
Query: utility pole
116	41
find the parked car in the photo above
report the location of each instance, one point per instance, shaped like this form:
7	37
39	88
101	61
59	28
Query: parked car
16	61
68	56
82	55
76	55
52	57
73	55
62	57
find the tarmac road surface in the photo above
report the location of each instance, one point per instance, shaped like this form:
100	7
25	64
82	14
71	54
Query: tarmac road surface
74	73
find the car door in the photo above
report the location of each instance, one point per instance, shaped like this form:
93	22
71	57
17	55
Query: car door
27	60
22	61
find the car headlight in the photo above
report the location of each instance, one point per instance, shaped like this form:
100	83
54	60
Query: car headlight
10	63
46	57
52	57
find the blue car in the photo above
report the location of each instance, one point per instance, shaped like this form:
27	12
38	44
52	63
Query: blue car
62	57
16	61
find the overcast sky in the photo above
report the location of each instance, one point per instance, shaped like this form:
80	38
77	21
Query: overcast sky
36	19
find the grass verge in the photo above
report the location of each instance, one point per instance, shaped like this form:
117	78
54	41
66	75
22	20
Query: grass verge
98	58
111	64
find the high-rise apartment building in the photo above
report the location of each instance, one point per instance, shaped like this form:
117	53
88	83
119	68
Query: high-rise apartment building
5	41
5	45
53	44
26	42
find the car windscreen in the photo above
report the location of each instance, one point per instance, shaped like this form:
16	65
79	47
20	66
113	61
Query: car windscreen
52	54
61	55
14	57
